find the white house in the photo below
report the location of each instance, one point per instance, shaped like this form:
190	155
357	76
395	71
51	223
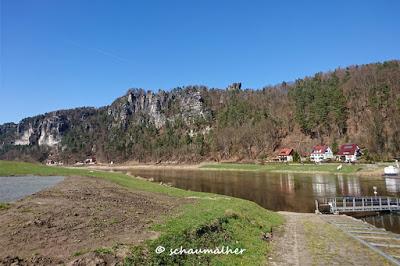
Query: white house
349	152
286	155
321	153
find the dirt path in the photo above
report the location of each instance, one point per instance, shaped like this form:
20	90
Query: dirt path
289	242
305	239
76	217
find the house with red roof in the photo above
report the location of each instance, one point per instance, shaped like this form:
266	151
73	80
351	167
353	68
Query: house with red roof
321	153
349	152
286	155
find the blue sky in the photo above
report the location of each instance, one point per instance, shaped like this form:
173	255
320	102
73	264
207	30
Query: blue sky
63	54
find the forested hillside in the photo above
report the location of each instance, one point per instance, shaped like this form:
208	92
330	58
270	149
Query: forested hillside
358	104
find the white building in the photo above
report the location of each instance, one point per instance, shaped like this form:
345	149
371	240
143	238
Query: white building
321	153
349	152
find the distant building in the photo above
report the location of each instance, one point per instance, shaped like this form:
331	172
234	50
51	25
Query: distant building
50	162
349	152
321	153
90	160
286	155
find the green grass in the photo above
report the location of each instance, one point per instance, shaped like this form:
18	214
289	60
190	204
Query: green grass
103	251
210	221
282	167
4	206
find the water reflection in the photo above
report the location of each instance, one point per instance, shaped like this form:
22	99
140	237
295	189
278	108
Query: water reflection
287	183
390	221
341	184
392	184
323	186
288	192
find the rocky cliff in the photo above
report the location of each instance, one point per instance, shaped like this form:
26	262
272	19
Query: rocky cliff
49	131
43	130
187	102
359	104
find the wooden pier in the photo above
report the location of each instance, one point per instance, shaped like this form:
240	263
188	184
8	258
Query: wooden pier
360	204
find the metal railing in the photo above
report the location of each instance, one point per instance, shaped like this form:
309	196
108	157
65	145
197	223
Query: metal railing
363	204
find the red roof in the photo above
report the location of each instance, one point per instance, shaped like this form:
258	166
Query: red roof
285	152
348	149
319	149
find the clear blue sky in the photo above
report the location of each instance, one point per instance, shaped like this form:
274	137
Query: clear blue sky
70	53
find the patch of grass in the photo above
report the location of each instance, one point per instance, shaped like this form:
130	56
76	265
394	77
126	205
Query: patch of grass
103	250
282	167
212	224
4	206
209	221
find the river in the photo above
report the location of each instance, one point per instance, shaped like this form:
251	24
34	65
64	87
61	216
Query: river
281	191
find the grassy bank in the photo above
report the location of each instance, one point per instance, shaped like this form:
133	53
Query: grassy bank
210	221
292	167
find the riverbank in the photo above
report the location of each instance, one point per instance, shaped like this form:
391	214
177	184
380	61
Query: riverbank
326	168
80	217
162	215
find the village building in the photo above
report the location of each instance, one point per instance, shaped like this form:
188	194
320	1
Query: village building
50	162
91	160
349	152
286	155
321	153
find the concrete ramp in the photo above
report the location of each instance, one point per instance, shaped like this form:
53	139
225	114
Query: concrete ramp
379	240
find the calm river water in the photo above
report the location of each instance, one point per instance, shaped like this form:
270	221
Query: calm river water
279	191
17	187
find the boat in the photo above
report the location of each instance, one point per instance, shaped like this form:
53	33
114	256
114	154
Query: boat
392	170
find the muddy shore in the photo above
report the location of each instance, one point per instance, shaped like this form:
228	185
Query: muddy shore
67	223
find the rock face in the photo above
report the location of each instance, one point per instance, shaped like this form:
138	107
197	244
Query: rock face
235	86
137	105
187	102
52	129
23	135
137	101
43	130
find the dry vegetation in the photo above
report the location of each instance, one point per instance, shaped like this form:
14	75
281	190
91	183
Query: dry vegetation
359	104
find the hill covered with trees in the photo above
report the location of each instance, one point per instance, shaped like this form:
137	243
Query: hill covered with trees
358	104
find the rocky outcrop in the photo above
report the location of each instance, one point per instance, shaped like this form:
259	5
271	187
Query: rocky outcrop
235	86
52	129
7	133
49	129
137	101
158	107
43	130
